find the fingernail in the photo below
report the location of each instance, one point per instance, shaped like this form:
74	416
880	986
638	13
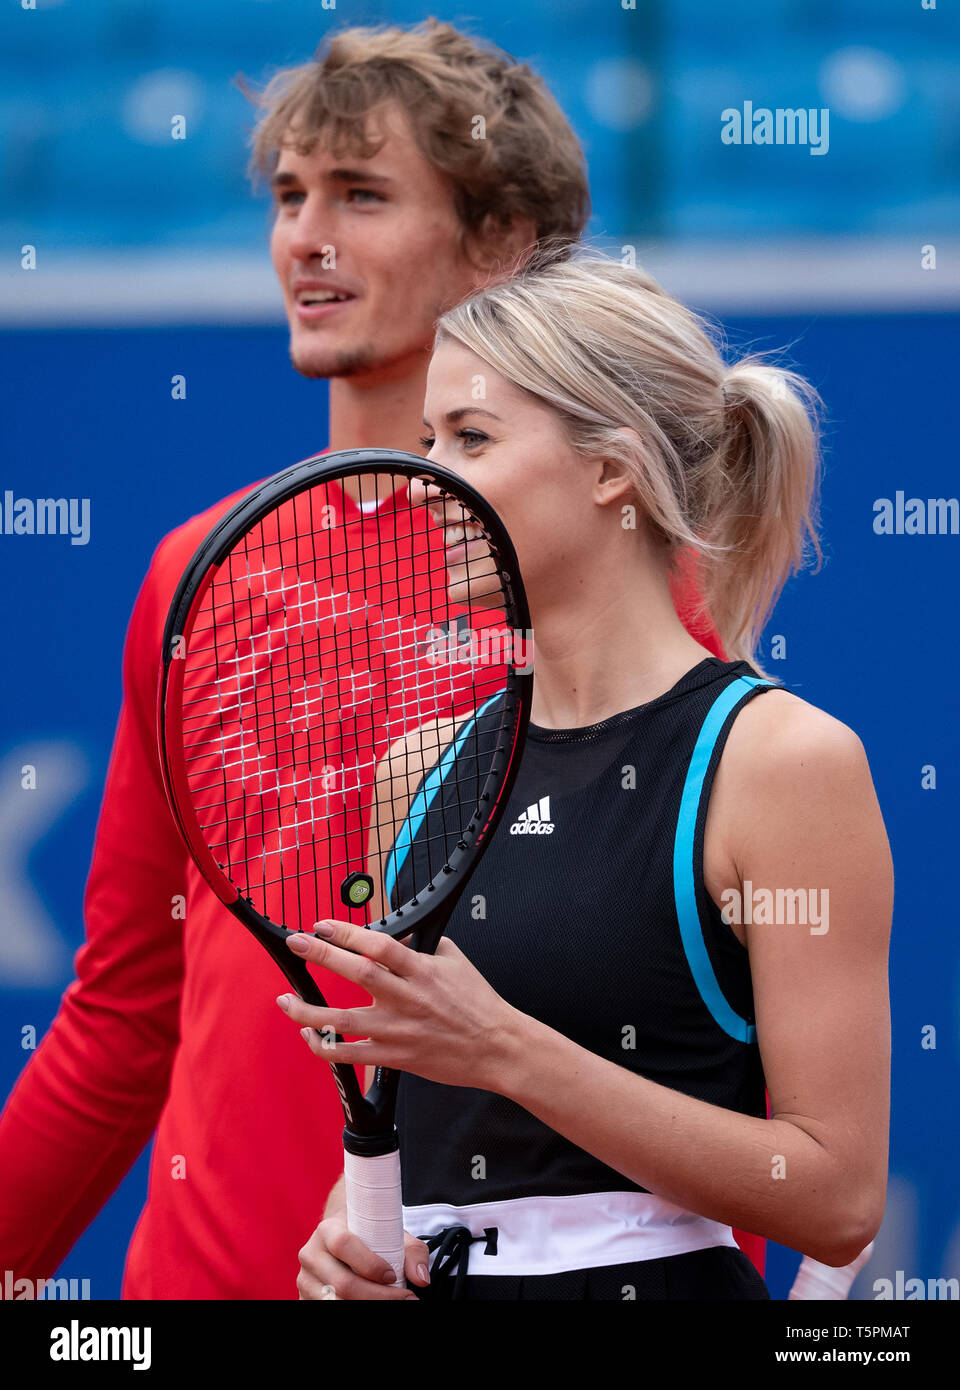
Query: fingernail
423	1273
298	942
323	929
389	1277
305	1034
284	1001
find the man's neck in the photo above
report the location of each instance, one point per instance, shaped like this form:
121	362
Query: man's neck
374	412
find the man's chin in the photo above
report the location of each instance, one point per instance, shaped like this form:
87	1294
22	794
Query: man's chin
312	361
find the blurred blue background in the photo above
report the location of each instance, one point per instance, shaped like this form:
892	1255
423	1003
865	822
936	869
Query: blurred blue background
152	261
87	160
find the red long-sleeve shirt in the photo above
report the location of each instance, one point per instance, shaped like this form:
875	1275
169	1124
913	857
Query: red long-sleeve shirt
171	1025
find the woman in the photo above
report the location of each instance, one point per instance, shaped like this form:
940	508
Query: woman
583	1113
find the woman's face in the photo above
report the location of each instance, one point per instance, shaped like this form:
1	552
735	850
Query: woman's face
511	448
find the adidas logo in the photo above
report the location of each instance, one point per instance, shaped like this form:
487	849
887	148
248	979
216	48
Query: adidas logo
535	820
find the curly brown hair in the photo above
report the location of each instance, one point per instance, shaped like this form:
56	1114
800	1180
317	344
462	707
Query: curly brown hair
527	163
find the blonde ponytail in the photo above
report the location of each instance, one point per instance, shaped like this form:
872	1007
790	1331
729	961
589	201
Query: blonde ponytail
762	515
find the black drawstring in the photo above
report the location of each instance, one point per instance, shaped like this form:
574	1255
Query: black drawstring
452	1246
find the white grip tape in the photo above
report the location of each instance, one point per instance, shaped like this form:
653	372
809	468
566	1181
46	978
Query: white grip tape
375	1207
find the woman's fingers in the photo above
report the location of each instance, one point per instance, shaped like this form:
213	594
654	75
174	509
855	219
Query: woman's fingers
335	1263
350	1250
339	1282
327	1020
355	953
416	1260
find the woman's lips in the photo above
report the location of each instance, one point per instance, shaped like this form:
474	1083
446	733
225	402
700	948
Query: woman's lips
457	554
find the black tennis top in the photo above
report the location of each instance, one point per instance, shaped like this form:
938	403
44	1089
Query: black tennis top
589	913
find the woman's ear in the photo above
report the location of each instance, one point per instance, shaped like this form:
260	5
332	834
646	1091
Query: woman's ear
613	479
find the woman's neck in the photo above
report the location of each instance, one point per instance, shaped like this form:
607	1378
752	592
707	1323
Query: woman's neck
611	640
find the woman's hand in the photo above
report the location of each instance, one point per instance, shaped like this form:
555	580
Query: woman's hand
336	1264
435	1016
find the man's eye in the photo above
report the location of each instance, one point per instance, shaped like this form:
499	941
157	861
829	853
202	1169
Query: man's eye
287	197
366	193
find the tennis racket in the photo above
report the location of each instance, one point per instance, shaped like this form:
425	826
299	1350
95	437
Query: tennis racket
330	674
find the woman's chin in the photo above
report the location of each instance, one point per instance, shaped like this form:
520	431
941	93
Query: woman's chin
475	587
485	594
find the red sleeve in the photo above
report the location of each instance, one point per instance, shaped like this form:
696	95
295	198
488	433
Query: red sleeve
89	1099
690	606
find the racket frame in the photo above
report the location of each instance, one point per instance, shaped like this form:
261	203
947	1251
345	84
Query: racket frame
370	1131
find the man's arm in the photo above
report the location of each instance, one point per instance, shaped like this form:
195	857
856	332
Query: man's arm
89	1099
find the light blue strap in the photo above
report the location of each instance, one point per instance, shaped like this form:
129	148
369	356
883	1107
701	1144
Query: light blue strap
422	801
684	888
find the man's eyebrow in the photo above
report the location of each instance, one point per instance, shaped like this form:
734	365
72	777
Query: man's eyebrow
452	416
283	178
357	176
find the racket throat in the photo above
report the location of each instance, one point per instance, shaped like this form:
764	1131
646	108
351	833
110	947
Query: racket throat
370	1145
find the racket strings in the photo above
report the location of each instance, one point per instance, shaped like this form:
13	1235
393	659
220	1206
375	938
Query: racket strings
325	685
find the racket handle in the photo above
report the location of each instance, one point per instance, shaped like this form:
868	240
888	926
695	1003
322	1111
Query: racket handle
374	1205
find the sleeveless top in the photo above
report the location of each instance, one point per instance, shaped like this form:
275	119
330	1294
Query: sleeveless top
589	913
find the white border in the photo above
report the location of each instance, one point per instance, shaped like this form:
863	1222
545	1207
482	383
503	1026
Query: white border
846	275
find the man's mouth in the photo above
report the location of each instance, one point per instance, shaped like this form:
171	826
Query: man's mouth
317	302
322	297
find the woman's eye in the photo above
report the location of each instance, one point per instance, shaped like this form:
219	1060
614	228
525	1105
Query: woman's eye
471	438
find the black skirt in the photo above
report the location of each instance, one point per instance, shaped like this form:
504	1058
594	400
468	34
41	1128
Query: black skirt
718	1272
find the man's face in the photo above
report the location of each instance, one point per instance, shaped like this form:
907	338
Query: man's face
384	233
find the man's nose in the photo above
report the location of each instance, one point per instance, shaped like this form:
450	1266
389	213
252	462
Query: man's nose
313	232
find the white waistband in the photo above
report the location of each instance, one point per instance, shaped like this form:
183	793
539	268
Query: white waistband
547	1235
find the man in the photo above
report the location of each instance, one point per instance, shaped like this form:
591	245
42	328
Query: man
407	166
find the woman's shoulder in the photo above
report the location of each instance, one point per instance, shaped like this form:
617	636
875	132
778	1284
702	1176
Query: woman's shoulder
786	760
793	794
408	759
777	730
419	747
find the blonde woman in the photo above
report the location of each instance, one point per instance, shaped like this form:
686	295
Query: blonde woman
582	1114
